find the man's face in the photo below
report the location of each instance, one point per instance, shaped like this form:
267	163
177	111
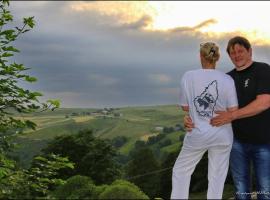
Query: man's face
240	56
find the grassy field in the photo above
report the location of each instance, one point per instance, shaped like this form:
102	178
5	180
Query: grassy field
135	123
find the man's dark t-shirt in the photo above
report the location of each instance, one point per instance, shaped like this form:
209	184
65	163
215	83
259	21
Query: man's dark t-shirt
249	83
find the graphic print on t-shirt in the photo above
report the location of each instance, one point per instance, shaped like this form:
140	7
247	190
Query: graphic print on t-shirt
205	103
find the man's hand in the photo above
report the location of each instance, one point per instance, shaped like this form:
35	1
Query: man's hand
188	124
223	117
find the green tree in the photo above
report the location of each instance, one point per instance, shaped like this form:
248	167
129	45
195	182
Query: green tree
119	141
76	187
166	176
92	156
140	171
121	189
44	175
13	98
35	182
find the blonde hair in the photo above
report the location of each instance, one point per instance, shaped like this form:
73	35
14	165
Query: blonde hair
210	51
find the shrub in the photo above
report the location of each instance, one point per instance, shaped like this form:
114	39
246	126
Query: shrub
76	187
121	189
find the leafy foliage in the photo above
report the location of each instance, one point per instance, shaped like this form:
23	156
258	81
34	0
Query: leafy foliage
166	176
13	98
44	173
154	139
91	156
121	189
76	187
140	171
119	141
36	181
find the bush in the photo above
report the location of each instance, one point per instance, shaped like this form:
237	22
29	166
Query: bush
76	187
168	130
119	141
164	143
121	189
154	139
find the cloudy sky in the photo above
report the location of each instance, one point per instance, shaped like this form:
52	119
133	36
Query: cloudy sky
112	54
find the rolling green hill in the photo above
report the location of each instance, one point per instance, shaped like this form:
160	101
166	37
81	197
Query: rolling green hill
135	123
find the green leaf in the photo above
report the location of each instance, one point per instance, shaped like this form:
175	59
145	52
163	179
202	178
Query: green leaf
5	2
30	79
7	54
70	165
7	32
29	21
10	48
37	94
7	16
40	158
55	103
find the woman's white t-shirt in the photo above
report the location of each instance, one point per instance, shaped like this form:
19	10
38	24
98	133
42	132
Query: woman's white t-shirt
205	91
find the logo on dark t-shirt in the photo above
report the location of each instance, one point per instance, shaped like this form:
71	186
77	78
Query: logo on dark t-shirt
205	103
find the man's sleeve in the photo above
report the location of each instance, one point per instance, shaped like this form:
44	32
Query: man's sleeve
231	95
263	80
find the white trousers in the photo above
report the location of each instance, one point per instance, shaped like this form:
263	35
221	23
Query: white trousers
218	164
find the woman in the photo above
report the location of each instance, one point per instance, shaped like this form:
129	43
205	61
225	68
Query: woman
204	91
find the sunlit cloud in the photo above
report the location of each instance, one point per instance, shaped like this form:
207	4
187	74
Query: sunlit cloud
209	18
126	12
142	23
194	28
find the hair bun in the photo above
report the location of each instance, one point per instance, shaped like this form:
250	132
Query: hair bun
210	51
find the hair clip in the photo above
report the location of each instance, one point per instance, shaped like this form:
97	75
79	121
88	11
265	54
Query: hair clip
212	50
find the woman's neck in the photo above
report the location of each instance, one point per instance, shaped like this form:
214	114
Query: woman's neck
208	66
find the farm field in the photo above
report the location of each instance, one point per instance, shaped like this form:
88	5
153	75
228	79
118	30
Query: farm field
135	123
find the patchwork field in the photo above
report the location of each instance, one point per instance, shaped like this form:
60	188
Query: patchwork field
135	123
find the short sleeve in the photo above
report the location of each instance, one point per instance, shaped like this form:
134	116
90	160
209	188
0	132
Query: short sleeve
263	80
183	100
231	95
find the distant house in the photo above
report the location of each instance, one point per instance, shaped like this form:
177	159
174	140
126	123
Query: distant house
104	112
94	113
159	128
74	114
118	114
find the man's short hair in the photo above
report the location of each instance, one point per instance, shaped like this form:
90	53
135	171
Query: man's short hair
238	40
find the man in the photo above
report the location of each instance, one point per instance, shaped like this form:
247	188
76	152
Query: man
250	122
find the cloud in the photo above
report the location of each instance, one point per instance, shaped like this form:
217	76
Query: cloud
122	12
102	56
142	23
103	80
160	78
203	24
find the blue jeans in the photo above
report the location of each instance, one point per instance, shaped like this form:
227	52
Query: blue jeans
242	155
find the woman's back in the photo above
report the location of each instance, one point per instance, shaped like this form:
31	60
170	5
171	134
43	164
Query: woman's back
205	91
